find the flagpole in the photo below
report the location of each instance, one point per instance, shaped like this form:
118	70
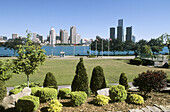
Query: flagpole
96	47
108	47
102	47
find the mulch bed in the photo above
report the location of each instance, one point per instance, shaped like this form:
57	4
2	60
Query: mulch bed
155	98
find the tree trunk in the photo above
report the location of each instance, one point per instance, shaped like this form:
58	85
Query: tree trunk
28	80
14	52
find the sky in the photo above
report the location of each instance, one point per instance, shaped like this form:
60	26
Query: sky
148	18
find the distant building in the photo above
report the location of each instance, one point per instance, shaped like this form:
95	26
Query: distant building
133	38
61	35
86	41
3	38
78	38
120	31
52	37
73	35
41	38
14	36
65	37
112	33
34	37
129	33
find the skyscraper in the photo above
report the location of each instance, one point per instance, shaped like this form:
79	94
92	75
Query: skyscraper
65	37
61	35
120	34
133	38
129	33
112	33
14	36
52	36
78	38
73	35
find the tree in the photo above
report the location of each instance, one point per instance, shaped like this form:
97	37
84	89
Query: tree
97	79
146	50
80	81
6	72
30	57
50	81
123	81
155	45
128	46
13	44
138	46
165	41
116	45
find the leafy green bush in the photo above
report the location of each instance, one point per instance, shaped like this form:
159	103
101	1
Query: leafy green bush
15	91
98	80
50	81
123	81
78	98
80	81
117	93
64	92
46	94
150	80
34	90
136	61
22	86
3	91
135	99
101	100
27	104
55	106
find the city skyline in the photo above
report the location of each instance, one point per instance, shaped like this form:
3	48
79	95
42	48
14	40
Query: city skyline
149	19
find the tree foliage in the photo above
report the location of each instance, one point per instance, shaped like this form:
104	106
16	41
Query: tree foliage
80	81
30	57
12	44
97	80
123	81
50	81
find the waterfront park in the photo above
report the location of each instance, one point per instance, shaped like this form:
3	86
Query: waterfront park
93	83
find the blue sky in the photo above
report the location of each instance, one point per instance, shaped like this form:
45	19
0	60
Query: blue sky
148	18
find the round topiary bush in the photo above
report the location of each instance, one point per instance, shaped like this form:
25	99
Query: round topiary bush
80	81
78	98
3	91
50	81
117	93
97	80
64	92
135	99
34	90
46	94
54	106
27	104
101	100
123	81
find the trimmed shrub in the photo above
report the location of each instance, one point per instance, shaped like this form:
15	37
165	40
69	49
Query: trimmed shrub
97	80
136	61
22	86
50	81
135	99
146	62
46	94
150	80
101	100
78	98
55	106
123	81
117	93
80	81
64	92
15	91
3	91
27	104
34	90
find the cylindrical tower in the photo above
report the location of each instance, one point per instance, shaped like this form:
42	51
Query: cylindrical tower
52	36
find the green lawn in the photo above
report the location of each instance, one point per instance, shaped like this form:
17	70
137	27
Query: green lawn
64	70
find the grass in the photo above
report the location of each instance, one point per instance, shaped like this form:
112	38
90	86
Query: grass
64	71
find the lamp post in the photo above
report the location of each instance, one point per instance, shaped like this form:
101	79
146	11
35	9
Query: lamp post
102	47
109	45
96	46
